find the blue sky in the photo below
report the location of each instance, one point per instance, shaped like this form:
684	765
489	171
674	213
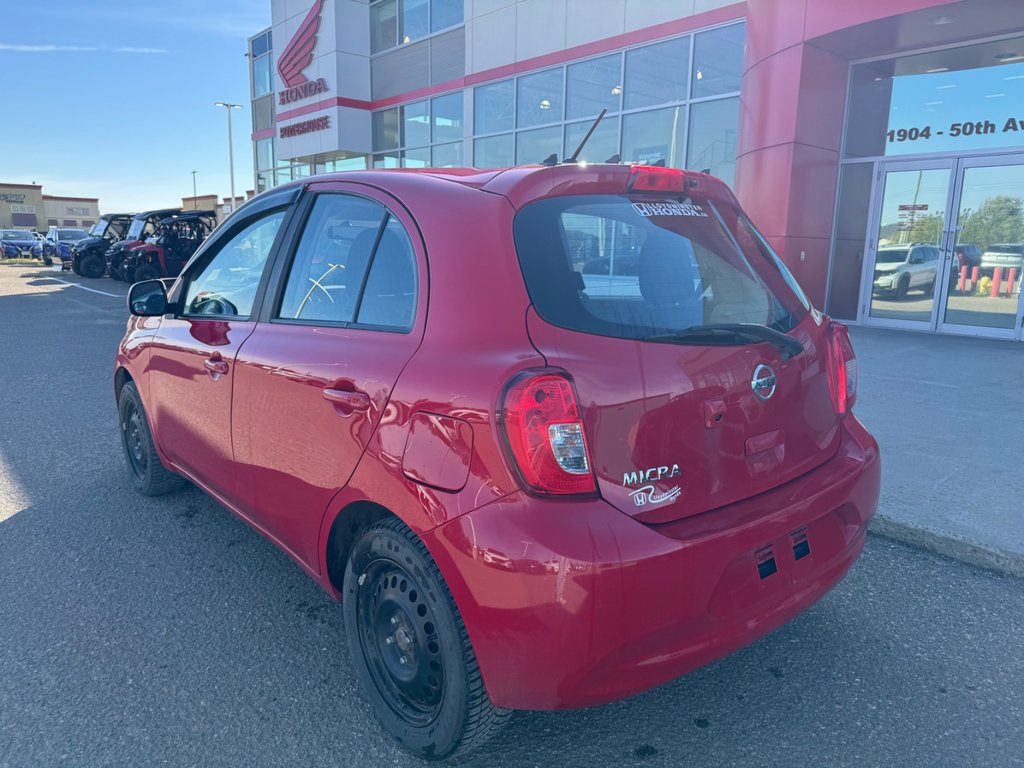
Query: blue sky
115	99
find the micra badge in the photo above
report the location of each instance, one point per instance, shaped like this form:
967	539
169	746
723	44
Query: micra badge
651	475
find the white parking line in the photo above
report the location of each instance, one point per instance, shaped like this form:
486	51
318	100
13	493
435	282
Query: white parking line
91	290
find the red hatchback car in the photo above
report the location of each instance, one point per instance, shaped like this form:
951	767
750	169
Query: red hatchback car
552	435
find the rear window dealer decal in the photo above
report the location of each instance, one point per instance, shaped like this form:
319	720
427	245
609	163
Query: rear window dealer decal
669	209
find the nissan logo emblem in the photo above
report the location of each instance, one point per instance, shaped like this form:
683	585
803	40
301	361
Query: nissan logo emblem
763	382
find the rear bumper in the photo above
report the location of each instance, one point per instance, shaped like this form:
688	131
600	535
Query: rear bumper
575	604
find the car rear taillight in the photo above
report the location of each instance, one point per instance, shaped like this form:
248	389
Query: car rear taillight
842	368
653	178
545	435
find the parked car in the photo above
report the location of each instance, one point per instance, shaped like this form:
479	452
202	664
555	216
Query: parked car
176	238
55	248
1005	255
528	497
17	242
143	227
902	268
89	256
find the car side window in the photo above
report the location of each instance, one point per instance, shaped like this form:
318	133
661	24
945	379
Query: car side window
354	263
389	298
225	282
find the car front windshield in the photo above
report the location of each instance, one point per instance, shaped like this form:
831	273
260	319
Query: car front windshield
99	228
897	256
135	230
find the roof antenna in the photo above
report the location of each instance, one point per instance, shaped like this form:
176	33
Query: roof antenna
587	137
551	159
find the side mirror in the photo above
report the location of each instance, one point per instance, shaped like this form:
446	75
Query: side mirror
147	299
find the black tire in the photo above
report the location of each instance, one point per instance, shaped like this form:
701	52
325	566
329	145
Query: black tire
146	272
902	287
149	476
47	260
76	266
929	289
397	606
92	266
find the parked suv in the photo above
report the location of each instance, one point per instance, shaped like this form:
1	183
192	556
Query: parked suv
902	268
89	256
525	494
1003	255
56	247
17	242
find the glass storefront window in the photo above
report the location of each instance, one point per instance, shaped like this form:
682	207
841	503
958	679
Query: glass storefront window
446	155
713	126
539	98
444	14
447	117
602	145
494	107
357	163
383	26
260	45
494	152
385	129
937	102
537	145
656	74
718	61
848	249
261	80
592	86
264	154
416	124
416	158
660	134
415	20
387	160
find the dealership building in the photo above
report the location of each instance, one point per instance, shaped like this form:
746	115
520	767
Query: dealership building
878	144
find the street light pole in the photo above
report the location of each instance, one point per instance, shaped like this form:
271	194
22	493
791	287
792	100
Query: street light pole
231	149
195	203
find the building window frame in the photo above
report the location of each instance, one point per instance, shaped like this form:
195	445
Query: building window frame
401	39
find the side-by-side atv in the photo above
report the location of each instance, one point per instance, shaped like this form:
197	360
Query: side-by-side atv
89	256
164	255
143	226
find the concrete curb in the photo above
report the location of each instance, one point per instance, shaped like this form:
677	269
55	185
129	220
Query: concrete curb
956	547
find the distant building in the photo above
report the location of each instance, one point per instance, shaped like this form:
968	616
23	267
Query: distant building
24	206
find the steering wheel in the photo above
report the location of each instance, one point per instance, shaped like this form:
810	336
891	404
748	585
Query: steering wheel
214	305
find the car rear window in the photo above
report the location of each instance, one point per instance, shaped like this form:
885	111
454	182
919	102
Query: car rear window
635	267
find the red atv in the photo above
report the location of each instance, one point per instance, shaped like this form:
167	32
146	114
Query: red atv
165	254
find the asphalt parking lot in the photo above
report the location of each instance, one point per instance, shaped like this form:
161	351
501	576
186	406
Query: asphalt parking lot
165	631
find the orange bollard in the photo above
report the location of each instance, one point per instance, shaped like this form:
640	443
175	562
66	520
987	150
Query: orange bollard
997	280
975	273
1010	281
962	282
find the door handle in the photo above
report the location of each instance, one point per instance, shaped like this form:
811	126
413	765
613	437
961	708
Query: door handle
355	401
215	367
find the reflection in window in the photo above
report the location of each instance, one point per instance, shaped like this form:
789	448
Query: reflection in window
718	61
594	85
539	98
444	14
416	124
713	126
389	298
261	81
601	146
383	25
416	158
656	74
415	20
537	145
648	137
494	152
493	107
385	129
447	117
446	155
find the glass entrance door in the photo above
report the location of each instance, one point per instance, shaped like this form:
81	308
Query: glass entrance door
906	263
983	288
946	247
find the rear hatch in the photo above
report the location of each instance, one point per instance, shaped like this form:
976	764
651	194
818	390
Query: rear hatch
676	323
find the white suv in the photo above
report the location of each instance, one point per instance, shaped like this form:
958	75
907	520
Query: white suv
902	268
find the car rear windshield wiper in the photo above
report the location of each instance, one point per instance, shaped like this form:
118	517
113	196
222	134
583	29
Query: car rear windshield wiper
732	333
